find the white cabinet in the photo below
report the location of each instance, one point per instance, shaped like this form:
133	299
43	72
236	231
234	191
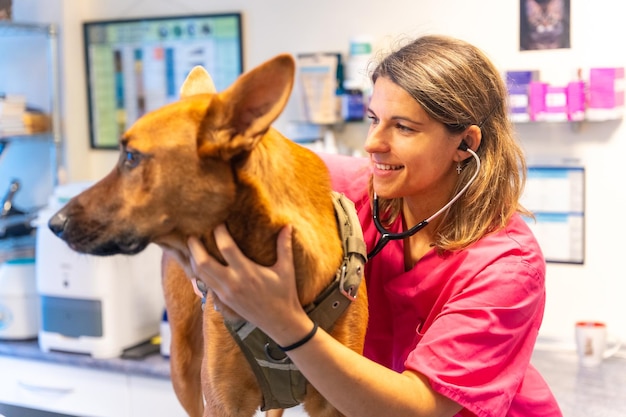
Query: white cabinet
63	389
74	391
153	397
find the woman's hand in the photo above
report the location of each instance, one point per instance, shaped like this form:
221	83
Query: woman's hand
264	296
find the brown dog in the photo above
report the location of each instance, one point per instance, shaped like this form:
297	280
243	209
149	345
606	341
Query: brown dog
208	159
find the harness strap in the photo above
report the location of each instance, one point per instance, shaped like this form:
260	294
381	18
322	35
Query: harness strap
282	384
354	249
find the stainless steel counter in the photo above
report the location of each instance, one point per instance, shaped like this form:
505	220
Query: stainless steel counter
584	391
153	365
581	392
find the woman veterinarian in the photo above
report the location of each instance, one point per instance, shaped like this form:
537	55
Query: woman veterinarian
456	287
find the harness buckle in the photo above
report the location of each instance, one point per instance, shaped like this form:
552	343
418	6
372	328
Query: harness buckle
268	353
342	281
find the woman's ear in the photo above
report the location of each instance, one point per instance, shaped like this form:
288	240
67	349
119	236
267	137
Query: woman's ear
470	139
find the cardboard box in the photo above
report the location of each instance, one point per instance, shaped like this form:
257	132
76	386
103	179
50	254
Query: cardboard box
576	101
518	83
556	104
606	93
537	100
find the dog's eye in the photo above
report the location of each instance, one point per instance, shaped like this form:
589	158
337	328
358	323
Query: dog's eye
131	159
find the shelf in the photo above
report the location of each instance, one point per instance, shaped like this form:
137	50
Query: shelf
28	32
26	136
28	29
591	119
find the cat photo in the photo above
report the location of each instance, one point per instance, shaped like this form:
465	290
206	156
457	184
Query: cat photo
544	24
5	9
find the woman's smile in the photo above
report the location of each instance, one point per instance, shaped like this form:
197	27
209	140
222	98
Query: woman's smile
386	167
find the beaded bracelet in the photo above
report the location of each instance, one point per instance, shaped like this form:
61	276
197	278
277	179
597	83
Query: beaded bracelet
301	341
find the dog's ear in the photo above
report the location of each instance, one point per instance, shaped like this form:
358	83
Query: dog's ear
198	81
260	95
254	101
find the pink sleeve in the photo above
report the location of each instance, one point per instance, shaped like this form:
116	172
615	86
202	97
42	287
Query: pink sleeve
349	175
477	350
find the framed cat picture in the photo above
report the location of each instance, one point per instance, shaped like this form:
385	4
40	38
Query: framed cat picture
5	9
544	24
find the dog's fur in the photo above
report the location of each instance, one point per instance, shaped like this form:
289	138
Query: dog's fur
207	159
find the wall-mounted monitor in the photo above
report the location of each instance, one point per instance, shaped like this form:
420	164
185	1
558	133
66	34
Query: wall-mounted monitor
137	65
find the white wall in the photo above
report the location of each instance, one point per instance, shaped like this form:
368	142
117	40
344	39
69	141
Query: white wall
595	290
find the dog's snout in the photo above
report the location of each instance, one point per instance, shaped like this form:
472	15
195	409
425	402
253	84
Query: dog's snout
57	224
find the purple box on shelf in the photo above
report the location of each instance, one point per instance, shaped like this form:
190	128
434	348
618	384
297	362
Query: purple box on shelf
537	100
518	103
606	93
521	77
517	84
576	101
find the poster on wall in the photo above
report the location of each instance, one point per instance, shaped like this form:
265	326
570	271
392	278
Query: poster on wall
556	197
544	24
5	9
137	65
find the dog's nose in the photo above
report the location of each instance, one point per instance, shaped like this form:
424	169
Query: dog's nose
57	224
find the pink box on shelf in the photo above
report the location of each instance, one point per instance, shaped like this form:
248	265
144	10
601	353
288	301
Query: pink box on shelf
556	104
606	93
576	101
537	100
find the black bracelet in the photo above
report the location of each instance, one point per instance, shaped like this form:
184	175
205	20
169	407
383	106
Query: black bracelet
301	341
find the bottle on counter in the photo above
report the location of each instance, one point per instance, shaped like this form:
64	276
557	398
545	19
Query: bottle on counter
166	335
352	102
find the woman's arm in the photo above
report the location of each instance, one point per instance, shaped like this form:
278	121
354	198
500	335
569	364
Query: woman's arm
354	384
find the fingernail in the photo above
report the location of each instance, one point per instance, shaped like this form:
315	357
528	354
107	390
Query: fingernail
201	285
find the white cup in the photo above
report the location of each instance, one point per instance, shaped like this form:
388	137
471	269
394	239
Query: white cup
592	343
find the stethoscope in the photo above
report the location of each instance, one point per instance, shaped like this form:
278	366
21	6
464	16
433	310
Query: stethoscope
386	236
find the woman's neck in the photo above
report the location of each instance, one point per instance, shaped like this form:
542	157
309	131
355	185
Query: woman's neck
416	246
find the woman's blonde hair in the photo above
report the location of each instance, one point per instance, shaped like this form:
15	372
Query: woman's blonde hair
457	85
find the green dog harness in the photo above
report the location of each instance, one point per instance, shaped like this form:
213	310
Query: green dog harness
282	384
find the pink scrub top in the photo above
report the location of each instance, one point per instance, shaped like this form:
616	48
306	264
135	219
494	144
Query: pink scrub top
468	321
